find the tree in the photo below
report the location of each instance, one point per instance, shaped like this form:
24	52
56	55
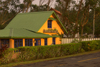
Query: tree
63	6
35	8
81	12
71	13
89	26
95	6
95	10
10	8
7	10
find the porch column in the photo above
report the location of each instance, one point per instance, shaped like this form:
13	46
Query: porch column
23	42
11	43
42	42
33	42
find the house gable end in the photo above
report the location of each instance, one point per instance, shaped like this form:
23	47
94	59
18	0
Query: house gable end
56	26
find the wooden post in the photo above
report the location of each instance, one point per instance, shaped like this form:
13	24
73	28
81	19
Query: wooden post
23	42
11	43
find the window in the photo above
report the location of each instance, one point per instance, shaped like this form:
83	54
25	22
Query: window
18	42
4	42
45	41
38	42
28	42
49	23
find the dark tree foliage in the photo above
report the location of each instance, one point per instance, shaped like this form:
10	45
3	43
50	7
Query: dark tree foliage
79	15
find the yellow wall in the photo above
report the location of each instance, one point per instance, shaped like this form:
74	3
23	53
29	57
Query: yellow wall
49	41
54	26
58	40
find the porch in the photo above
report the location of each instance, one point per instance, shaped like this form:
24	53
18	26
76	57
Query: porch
14	43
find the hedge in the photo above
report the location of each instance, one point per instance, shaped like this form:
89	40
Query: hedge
43	52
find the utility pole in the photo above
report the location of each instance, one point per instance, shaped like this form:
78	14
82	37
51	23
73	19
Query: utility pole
94	23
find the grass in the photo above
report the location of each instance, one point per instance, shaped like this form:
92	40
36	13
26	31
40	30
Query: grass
48	59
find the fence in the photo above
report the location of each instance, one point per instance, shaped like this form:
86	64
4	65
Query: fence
70	40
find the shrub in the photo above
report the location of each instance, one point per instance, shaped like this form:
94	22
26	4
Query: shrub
86	45
82	50
98	44
27	53
7	56
75	41
42	52
93	45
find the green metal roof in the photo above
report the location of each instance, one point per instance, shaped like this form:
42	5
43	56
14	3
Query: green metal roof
5	33
21	33
32	21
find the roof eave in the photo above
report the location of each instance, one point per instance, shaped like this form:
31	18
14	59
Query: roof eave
65	31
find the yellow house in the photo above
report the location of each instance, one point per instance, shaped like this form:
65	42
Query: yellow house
32	29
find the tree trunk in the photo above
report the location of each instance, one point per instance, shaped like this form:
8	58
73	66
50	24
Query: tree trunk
81	31
73	35
48	5
28	6
94	24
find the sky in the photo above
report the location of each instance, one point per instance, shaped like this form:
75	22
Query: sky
53	4
37	2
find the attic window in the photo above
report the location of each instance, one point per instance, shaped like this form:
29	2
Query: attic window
49	23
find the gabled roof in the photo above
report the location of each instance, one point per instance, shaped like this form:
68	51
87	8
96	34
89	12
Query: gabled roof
32	21
21	33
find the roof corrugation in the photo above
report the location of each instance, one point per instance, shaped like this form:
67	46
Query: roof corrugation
5	33
32	21
21	33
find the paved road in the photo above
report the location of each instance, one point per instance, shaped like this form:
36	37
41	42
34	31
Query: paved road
90	60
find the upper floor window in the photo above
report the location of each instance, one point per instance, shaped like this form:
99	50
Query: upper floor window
49	23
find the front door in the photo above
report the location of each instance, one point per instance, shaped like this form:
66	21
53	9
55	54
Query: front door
45	41
38	42
53	40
